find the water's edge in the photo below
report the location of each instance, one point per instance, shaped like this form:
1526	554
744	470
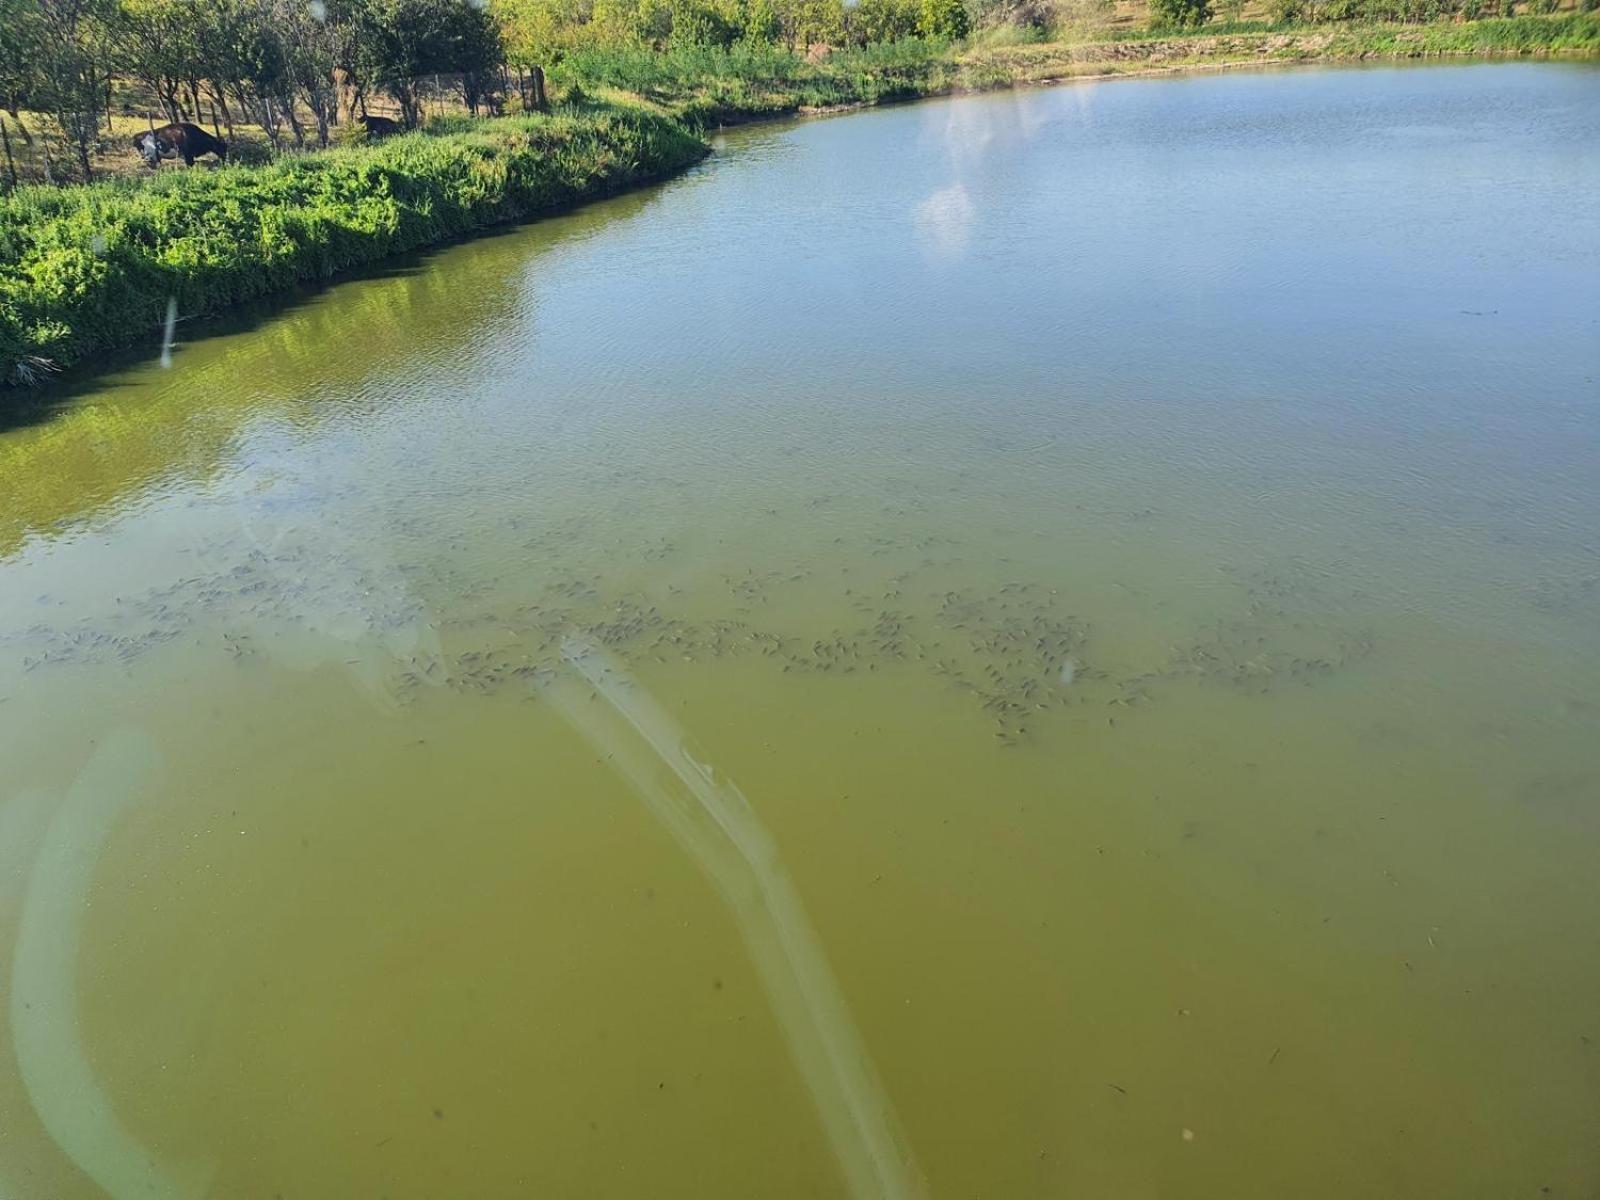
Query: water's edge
34	401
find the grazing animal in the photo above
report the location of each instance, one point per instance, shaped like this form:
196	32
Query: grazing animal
181	140
380	127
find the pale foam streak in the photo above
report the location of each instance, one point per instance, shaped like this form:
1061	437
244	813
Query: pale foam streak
714	822
61	1084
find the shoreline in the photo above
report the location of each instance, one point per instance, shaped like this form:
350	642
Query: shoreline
36	376
1459	57
1105	71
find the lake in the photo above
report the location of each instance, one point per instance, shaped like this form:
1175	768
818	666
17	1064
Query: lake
1034	645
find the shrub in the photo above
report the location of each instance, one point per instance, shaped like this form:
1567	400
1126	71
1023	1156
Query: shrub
882	21
1179	14
701	24
943	20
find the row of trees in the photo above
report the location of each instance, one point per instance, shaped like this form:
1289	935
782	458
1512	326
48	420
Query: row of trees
279	64
1193	13
285	65
543	31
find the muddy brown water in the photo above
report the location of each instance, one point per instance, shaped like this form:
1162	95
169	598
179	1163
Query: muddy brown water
1039	645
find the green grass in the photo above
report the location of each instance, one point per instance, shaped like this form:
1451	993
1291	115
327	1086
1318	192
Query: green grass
90	268
706	86
1566	34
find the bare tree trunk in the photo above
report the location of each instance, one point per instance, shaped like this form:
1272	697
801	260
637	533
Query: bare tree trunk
287	104
270	123
265	117
540	102
82	137
27	138
11	163
219	101
319	109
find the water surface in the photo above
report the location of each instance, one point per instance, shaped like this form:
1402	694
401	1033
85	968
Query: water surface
1038	645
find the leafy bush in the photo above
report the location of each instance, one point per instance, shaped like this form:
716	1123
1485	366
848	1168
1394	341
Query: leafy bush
944	20
882	21
1179	14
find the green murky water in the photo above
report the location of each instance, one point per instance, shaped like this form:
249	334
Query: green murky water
1042	645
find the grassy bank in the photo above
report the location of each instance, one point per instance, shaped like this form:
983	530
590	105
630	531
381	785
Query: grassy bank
706	86
90	268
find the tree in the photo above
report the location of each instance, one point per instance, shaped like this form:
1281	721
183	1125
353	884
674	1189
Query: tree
15	76
945	20
18	32
699	23
539	33
1179	14
400	41
818	23
475	51
882	21
71	47
158	44
761	25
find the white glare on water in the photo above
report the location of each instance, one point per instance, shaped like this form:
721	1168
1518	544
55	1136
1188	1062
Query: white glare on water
714	822
166	336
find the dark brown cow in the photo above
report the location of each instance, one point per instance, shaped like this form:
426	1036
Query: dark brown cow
380	127
181	140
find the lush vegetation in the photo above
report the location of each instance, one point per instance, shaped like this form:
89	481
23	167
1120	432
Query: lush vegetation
704	85
297	69
92	267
